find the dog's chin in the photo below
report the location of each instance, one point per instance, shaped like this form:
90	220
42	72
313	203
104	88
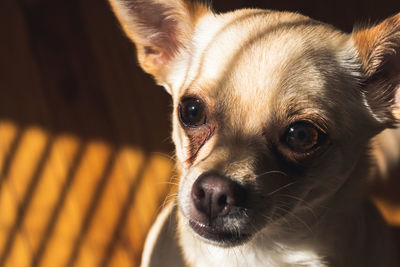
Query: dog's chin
219	236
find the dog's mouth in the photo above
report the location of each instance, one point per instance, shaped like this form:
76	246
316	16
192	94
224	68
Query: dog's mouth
219	235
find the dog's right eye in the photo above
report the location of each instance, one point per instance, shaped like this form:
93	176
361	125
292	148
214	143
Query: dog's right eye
192	112
303	137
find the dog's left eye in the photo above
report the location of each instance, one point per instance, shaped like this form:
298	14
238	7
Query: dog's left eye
192	112
303	137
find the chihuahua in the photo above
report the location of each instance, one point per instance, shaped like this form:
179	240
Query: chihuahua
277	120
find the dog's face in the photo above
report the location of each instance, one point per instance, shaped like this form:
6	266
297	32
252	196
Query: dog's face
272	113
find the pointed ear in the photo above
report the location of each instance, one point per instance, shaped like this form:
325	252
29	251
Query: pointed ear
160	29
379	50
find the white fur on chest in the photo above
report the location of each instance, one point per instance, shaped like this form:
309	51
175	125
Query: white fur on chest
254	253
248	255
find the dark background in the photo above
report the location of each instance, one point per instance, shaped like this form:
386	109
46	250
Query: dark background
66	67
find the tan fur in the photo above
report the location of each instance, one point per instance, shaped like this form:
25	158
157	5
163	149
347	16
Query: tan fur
150	44
379	51
375	43
258	72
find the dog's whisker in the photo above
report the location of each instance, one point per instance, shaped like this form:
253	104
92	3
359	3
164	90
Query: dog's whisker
167	200
281	188
305	203
170	157
272	172
170	197
168	183
292	209
290	213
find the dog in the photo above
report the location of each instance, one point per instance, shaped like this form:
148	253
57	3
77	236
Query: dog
277	119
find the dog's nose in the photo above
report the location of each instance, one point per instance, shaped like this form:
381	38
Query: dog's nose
214	195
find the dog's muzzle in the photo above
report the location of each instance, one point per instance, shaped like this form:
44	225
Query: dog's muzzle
216	202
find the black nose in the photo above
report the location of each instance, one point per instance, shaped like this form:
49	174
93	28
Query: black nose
215	196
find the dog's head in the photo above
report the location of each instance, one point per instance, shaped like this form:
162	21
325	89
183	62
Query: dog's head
272	112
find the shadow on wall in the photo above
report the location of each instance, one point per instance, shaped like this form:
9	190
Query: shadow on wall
80	181
79	123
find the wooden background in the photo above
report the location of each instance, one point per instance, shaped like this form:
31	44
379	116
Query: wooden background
84	135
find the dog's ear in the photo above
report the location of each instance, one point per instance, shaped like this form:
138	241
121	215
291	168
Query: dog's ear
379	50
160	29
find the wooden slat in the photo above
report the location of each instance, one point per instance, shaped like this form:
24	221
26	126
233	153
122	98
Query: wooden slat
80	183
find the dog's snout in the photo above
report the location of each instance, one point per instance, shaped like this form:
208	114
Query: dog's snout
214	195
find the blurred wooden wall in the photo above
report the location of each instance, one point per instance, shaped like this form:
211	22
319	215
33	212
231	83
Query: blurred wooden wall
84	134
